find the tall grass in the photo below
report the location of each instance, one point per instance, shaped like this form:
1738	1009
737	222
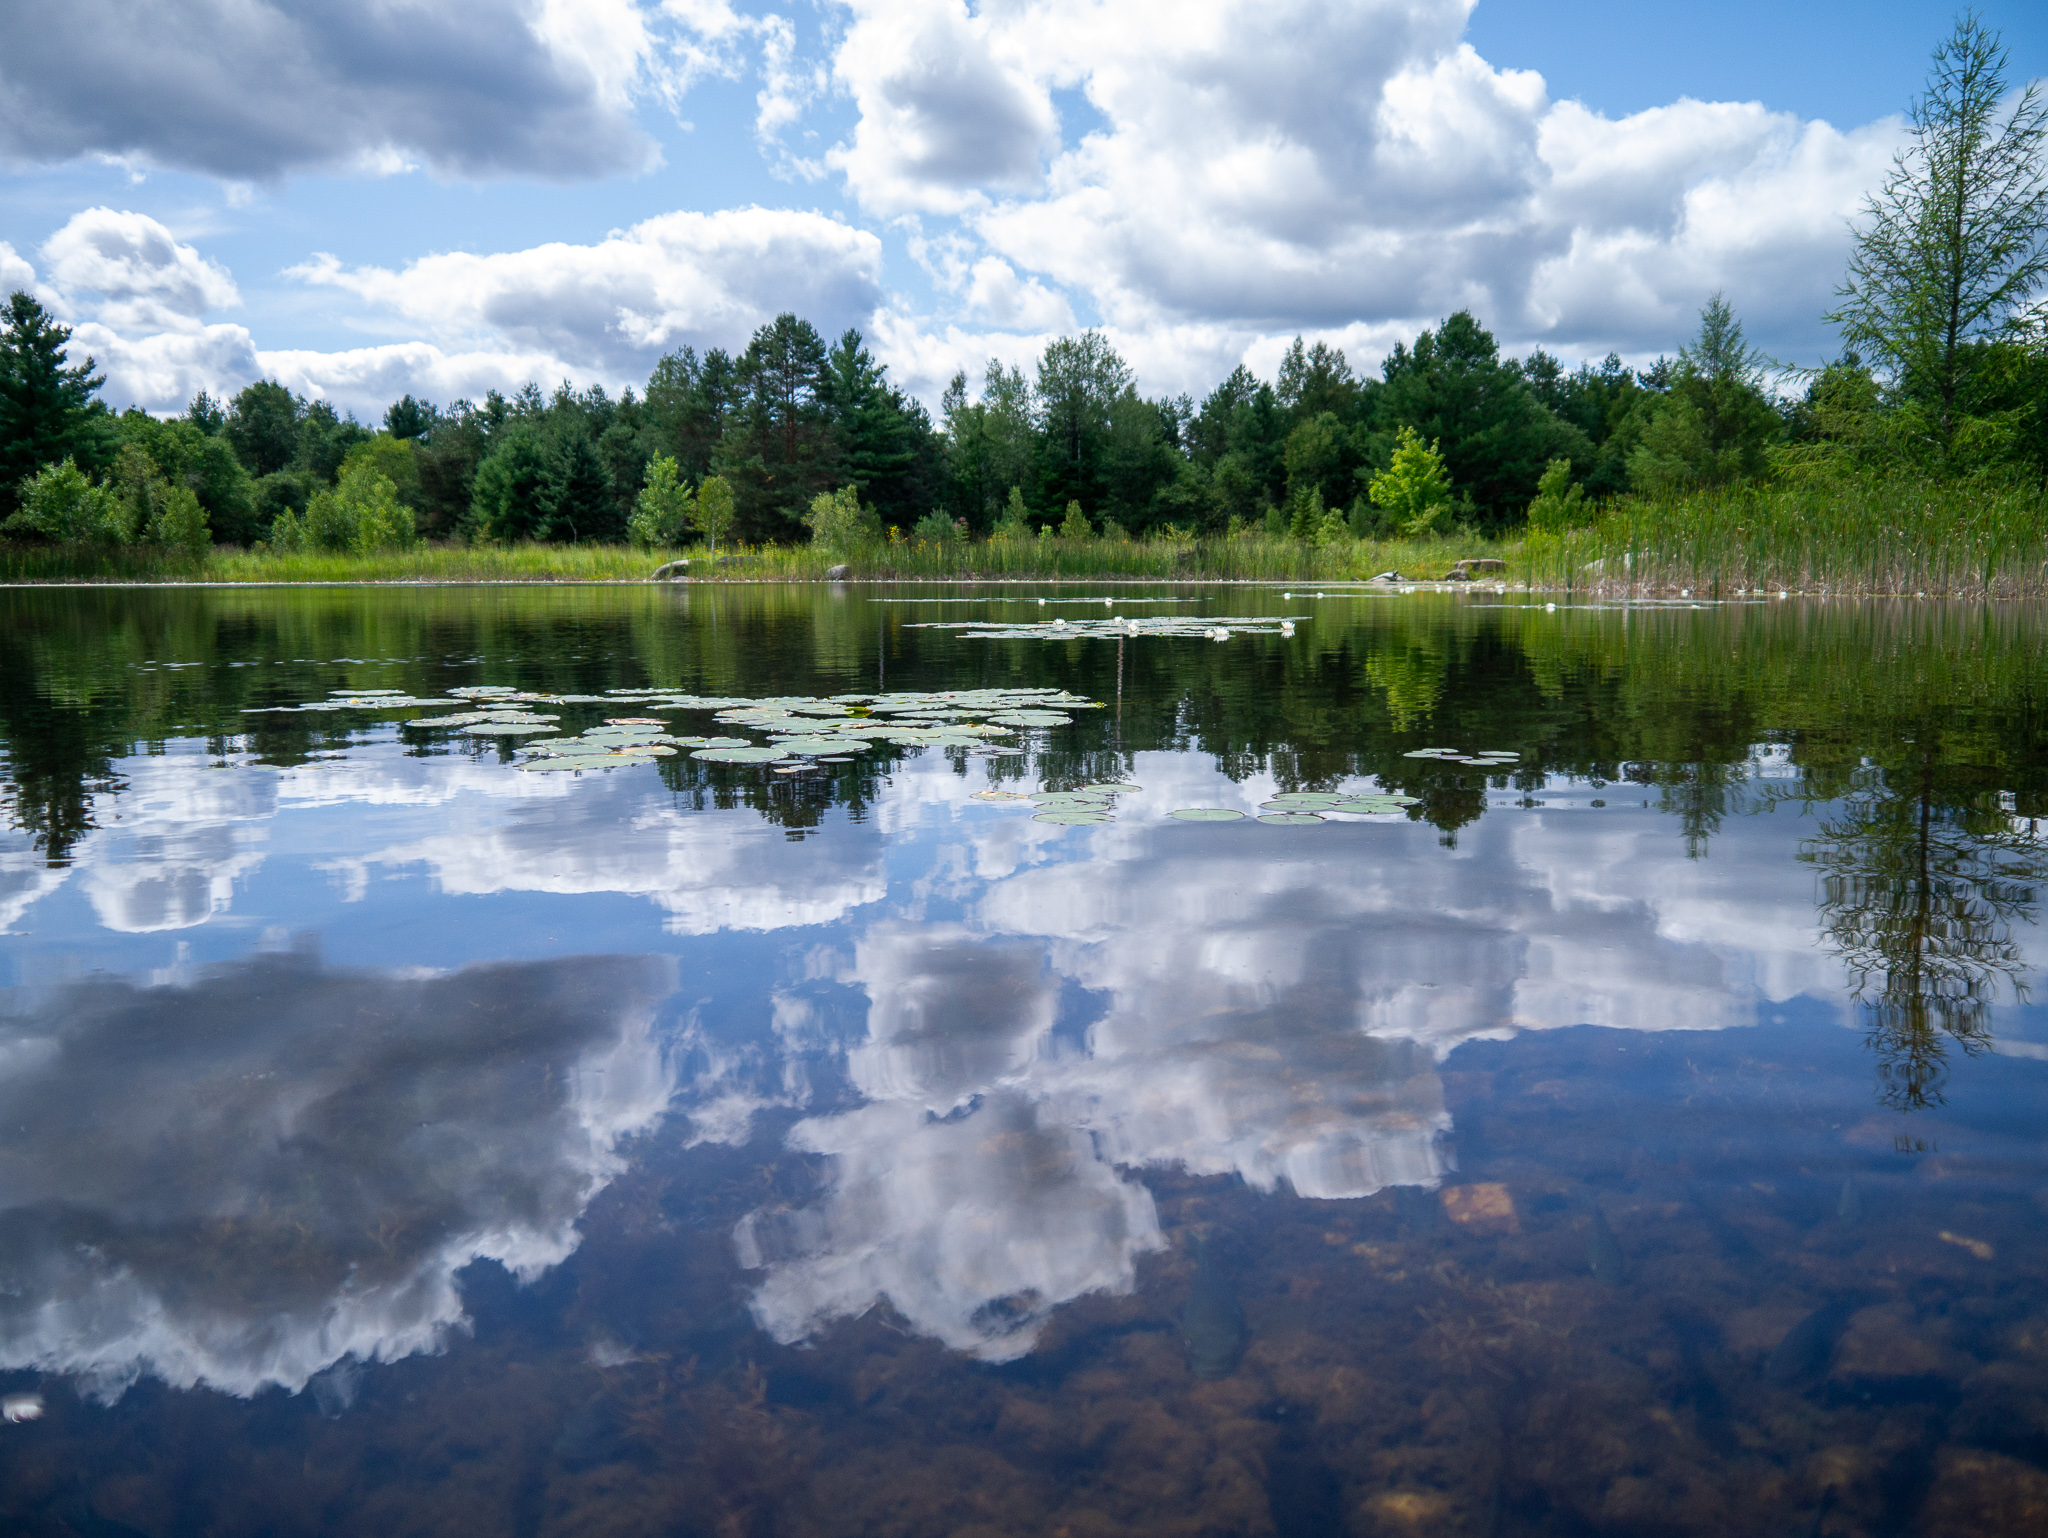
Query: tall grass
1244	558
1867	535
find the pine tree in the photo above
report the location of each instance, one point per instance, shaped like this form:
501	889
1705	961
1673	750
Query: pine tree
47	410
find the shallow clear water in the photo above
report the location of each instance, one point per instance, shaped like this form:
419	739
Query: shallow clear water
1644	1138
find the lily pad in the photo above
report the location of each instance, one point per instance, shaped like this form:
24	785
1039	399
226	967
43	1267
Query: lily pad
1288	819
1111	785
508	729
999	795
808	744
740	755
1206	814
1074	819
1032	718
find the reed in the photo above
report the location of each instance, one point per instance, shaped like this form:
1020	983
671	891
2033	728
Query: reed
1243	558
1865	536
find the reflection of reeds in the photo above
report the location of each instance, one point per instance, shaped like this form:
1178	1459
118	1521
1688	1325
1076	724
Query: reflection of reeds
1896	535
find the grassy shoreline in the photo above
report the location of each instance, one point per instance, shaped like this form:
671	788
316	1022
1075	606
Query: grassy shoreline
1838	537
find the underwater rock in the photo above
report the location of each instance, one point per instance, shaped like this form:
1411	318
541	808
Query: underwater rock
1212	1325
1485	1207
1809	1345
1979	1492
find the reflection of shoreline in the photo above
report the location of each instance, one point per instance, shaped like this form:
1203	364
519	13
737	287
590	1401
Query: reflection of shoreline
241	1181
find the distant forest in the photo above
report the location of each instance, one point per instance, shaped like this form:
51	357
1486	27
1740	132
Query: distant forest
792	417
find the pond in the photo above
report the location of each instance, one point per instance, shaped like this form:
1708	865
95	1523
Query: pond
771	1060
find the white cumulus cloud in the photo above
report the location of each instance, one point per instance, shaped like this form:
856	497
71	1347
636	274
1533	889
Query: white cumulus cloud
700	278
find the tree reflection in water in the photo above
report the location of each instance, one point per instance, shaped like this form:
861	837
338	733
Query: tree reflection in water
1921	896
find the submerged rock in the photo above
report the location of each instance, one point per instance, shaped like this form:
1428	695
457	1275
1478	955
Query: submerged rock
1809	1345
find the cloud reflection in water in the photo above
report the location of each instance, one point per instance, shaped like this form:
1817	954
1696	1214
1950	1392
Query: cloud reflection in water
242	1181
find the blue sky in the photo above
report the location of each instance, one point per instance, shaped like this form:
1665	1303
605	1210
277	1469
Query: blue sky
364	200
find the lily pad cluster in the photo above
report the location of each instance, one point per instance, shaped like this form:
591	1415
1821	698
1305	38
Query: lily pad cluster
1084	806
1118	626
800	729
1493	758
1295	808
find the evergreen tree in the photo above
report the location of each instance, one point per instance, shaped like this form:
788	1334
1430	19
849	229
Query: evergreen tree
1495	437
1955	243
47	410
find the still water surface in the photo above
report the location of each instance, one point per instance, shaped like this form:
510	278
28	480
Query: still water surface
1643	1138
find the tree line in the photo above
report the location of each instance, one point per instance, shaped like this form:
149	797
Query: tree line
1944	373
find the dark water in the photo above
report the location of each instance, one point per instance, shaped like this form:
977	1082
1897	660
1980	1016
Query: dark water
1647	1139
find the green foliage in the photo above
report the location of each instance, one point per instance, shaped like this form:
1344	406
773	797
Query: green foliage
662	511
935	528
1080	380
1415	489
61	504
1076	525
1955	243
1015	522
408	418
837	522
1715	426
1307	522
360	515
392	457
263	426
47	410
1559	504
178	523
1494	435
715	513
184	454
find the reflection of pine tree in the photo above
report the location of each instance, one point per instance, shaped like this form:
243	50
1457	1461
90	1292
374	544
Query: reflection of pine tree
1921	896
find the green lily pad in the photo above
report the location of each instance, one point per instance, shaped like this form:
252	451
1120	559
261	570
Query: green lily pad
1206	814
808	744
1111	785
1032	718
1288	819
508	729
740	755
1074	819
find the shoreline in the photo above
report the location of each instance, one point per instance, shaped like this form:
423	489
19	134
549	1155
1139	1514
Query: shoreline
1558	595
